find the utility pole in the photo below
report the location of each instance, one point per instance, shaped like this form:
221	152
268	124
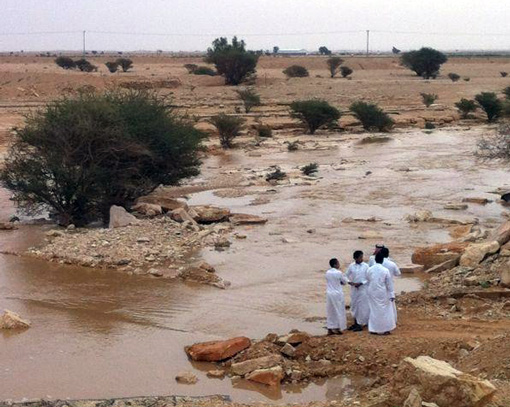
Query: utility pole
368	42
84	46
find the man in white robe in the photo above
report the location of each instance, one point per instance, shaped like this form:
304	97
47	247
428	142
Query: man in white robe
371	260
394	271
357	275
381	296
335	302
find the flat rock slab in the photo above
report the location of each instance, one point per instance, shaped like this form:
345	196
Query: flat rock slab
216	351
245	219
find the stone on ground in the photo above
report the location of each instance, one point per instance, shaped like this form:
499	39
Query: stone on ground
433	255
501	234
288	350
245	219
475	253
148	209
248	366
203	276
11	320
7	226
119	217
186	378
447	265
456	206
412	268
438	382
271	377
166	203
216	374
294	338
414	399
216	351
210	214
180	215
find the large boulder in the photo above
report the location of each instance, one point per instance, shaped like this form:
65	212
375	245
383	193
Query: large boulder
501	234
437	254
269	377
248	366
147	209
210	214
11	320
447	265
181	215
119	217
217	350
475	253
437	381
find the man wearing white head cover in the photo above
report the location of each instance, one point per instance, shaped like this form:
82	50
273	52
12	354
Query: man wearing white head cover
381	296
335	302
371	260
394	272
357	275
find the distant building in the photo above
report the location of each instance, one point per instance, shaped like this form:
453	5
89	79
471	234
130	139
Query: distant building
292	52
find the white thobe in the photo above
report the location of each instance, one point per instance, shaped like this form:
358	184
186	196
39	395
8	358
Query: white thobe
395	272
360	310
335	302
380	292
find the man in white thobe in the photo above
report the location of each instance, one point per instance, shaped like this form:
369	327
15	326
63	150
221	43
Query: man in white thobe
394	272
381	296
357	275
371	260
335	302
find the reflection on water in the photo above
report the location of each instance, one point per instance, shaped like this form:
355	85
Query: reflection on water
105	334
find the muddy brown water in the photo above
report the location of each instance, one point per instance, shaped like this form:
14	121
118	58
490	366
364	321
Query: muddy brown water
100	334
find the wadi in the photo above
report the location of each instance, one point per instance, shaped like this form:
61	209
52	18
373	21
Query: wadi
166	227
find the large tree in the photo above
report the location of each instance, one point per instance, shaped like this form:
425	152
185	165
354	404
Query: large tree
426	62
80	155
232	60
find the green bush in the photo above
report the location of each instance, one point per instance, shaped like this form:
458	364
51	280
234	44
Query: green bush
229	127
426	62
453	76
315	113
465	107
232	60
65	62
264	131
428	98
79	155
205	70
334	65
125	63
112	66
85	66
504	74
505	108
296	71
324	51
191	68
490	104
277	174
310	169
429	126
506	92
292	145
345	71
372	117
249	98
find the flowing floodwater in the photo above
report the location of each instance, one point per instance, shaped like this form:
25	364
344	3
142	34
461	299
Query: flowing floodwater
100	334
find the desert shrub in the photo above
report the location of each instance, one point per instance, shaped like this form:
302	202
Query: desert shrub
85	66
125	63
249	98
426	62
324	51
296	71
334	65
205	70
466	106
112	66
65	62
506	92
264	131
345	71
81	154
430	126
453	76
229	127
372	117
310	169
292	145
191	68
428	98
467	79
490	104
505	108
277	174
232	60
314	113
496	146
504	74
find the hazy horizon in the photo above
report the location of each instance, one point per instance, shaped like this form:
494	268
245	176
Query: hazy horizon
191	25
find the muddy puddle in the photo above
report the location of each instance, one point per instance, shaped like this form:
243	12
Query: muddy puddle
100	334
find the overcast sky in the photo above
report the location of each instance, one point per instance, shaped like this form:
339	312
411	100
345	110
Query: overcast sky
262	23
